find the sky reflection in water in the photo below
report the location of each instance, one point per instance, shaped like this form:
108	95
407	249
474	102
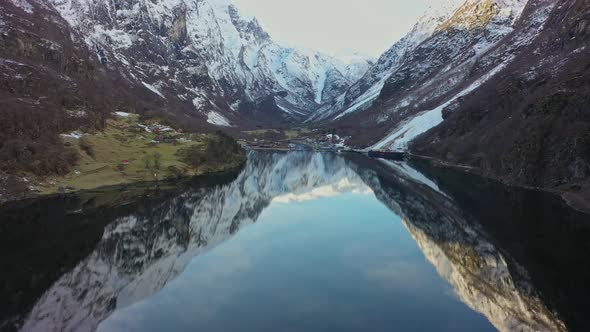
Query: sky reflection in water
343	262
305	242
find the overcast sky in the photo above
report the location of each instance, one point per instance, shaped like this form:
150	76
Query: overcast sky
369	26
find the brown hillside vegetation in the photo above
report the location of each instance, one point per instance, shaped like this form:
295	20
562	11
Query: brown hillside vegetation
52	83
531	123
46	88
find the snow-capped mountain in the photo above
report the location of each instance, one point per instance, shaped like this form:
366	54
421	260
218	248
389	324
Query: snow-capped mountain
363	92
206	54
529	123
470	49
448	54
498	85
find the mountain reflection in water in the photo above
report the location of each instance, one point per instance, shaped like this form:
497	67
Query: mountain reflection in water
515	256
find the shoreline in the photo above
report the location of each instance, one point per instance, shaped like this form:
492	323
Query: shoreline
127	151
573	200
145	186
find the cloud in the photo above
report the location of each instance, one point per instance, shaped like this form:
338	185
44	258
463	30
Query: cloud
343	186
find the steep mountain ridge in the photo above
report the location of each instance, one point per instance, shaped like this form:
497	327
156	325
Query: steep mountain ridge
413	103
172	46
363	92
440	65
530	123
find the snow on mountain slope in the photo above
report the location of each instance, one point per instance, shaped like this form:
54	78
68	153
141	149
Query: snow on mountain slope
313	77
475	42
486	57
206	50
362	93
406	132
24	5
528	124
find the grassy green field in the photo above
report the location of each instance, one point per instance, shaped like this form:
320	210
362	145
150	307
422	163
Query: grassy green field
101	164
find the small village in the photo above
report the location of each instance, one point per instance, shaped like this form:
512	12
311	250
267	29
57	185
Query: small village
299	140
158	132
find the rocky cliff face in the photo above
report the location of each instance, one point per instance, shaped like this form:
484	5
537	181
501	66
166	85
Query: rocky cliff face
205	54
455	52
530	123
50	84
471	53
362	93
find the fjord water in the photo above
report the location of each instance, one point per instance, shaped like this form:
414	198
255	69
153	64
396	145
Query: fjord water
300	242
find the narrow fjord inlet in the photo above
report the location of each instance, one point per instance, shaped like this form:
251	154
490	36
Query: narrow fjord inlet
294	165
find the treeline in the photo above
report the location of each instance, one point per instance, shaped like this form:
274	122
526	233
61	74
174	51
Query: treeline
30	142
50	86
221	149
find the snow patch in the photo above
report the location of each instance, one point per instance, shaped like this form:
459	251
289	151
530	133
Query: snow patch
409	130
153	89
217	119
74	135
199	102
363	100
288	110
24	5
114	37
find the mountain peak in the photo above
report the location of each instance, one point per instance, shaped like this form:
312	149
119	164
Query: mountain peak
248	25
474	14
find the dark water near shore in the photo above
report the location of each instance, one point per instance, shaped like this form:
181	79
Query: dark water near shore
299	242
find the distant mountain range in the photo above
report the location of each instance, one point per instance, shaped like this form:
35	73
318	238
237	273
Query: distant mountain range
203	58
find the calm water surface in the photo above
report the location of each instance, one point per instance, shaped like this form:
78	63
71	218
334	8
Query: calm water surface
299	242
